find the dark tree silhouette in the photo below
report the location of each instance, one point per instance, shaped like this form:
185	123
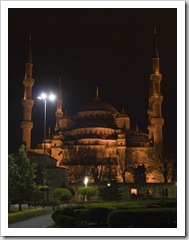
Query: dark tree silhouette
82	161
139	174
21	184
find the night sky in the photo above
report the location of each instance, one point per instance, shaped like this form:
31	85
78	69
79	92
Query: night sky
108	48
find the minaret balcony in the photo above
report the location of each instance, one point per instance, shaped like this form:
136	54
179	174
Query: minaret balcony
26	125
27	103
157	98
156	77
28	82
157	121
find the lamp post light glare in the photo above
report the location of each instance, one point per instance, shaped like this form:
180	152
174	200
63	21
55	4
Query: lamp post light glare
44	97
86	181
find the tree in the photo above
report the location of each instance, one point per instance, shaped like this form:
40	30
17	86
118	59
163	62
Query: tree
21	175
88	192
110	175
62	194
164	161
82	161
139	174
124	160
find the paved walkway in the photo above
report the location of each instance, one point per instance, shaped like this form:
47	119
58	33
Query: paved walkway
36	222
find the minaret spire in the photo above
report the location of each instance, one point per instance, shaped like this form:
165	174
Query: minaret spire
155	60
97	99
156	53
59	112
156	121
30	51
27	101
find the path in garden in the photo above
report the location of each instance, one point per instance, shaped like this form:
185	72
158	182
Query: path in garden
36	222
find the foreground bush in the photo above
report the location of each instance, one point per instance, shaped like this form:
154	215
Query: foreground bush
99	214
56	214
143	218
88	192
82	215
66	221
24	215
62	194
68	211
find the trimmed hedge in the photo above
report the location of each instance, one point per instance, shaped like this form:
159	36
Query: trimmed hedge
66	221
99	214
143	218
68	211
56	214
82	215
25	214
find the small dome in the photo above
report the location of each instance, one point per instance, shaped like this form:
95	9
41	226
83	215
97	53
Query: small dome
138	138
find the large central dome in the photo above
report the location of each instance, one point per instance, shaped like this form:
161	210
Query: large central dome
98	106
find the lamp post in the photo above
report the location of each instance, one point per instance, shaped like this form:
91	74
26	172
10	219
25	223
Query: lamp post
85	182
44	97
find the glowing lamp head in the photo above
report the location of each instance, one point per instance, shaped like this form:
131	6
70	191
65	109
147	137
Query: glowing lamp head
52	97
86	181
44	96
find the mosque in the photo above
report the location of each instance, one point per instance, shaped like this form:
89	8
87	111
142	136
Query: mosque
99	125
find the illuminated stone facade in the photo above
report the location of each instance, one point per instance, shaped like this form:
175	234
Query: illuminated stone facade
101	126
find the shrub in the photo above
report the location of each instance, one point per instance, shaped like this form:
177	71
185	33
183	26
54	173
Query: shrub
88	191
82	215
25	214
108	193
168	204
43	188
66	221
56	214
62	194
146	218
99	214
68	211
152	206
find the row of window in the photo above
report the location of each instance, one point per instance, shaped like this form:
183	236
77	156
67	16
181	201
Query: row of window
149	192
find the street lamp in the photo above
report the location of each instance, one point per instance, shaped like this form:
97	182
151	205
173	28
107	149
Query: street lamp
86	181
45	97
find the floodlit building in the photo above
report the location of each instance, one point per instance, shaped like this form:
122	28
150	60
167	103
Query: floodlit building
99	125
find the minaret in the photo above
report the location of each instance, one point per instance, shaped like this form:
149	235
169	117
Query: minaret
97	99
156	121
59	112
27	101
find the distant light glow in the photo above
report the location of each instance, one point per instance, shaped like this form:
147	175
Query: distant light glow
52	97
44	96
